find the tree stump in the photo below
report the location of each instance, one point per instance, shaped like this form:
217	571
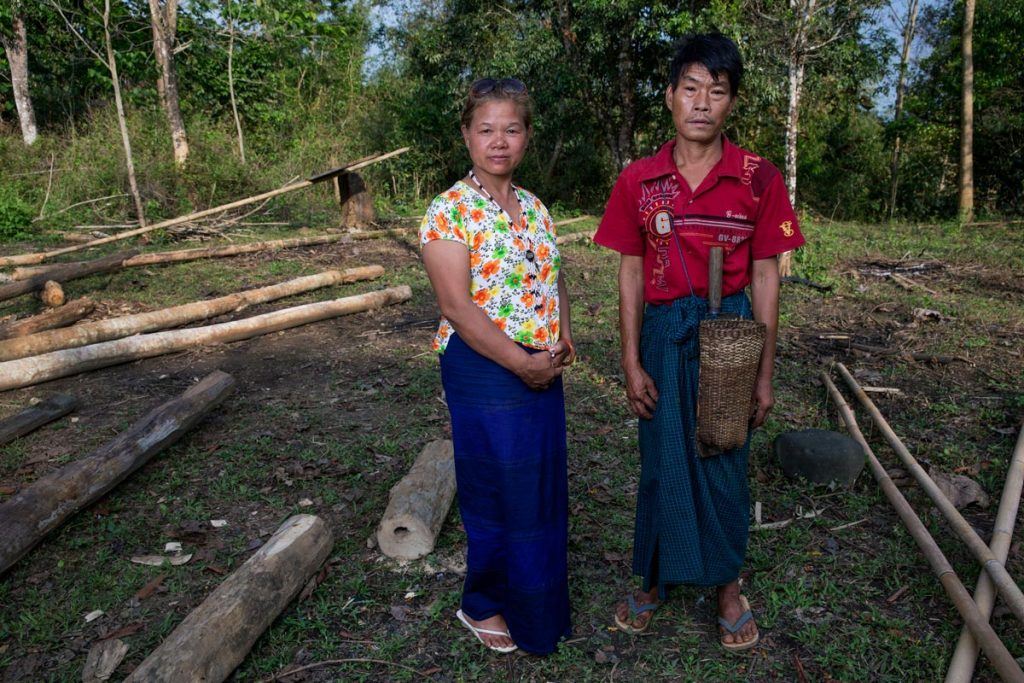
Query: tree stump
418	504
356	203
35	511
216	636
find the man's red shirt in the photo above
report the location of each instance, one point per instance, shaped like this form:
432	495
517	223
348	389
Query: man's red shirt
742	205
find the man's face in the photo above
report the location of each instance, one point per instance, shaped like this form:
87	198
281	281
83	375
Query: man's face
699	104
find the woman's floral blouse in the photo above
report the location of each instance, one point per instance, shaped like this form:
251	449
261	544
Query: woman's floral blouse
520	296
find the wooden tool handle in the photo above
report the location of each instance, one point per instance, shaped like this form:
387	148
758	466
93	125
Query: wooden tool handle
715	280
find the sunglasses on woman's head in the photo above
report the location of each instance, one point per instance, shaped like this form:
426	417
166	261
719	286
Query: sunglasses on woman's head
506	86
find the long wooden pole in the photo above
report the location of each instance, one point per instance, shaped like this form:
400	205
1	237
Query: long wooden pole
35	369
40	508
216	636
69	313
961	667
35	416
39	257
175	316
1001	659
159	257
1004	583
64	272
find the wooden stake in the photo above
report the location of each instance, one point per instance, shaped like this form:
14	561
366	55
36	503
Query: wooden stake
35	369
124	326
69	313
216	636
35	416
159	257
1008	588
35	511
418	504
1001	659
39	257
961	667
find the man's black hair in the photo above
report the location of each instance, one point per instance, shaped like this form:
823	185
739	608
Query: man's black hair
716	52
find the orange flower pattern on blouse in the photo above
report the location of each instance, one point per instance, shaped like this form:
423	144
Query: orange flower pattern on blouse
520	296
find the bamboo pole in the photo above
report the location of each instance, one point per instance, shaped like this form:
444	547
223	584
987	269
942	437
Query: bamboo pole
961	667
39	257
1001	659
1004	583
35	369
159	257
175	316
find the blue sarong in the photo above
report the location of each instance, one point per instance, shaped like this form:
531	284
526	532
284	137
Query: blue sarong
692	513
513	489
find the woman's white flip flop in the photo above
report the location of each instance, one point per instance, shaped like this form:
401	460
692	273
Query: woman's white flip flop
477	631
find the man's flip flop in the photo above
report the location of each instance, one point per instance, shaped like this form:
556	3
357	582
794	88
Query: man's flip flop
735	626
477	631
635	610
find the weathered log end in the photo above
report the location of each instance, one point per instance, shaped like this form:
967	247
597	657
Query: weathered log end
217	635
418	504
52	294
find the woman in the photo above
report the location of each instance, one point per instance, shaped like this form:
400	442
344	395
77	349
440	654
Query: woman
489	250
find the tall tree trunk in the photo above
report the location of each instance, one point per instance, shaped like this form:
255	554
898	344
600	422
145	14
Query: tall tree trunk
231	79
967	118
140	213
164	21
16	48
627	98
894	163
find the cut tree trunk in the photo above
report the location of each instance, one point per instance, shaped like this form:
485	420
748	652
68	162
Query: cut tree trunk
63	273
158	257
39	257
124	326
52	294
29	419
16	48
356	203
65	315
35	369
418	504
39	509
215	637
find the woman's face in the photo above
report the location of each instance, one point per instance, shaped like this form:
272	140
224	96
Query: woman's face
497	137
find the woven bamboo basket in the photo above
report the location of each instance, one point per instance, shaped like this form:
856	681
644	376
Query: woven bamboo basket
730	351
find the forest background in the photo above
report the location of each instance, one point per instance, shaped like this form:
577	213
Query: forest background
864	95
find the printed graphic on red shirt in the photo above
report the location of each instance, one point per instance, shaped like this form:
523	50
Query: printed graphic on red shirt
656	215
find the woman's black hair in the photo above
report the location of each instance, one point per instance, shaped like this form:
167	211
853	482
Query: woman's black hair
716	52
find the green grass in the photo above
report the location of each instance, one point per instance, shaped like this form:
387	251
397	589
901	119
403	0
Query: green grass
337	412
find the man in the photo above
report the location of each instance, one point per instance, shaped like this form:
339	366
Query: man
664	214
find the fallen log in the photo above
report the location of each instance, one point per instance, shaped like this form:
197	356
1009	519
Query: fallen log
418	504
217	635
961	667
998	655
63	273
35	416
37	510
1004	583
62	316
39	257
35	369
160	257
124	326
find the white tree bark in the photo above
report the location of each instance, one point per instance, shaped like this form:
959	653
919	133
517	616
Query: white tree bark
231	79
909	26
16	48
